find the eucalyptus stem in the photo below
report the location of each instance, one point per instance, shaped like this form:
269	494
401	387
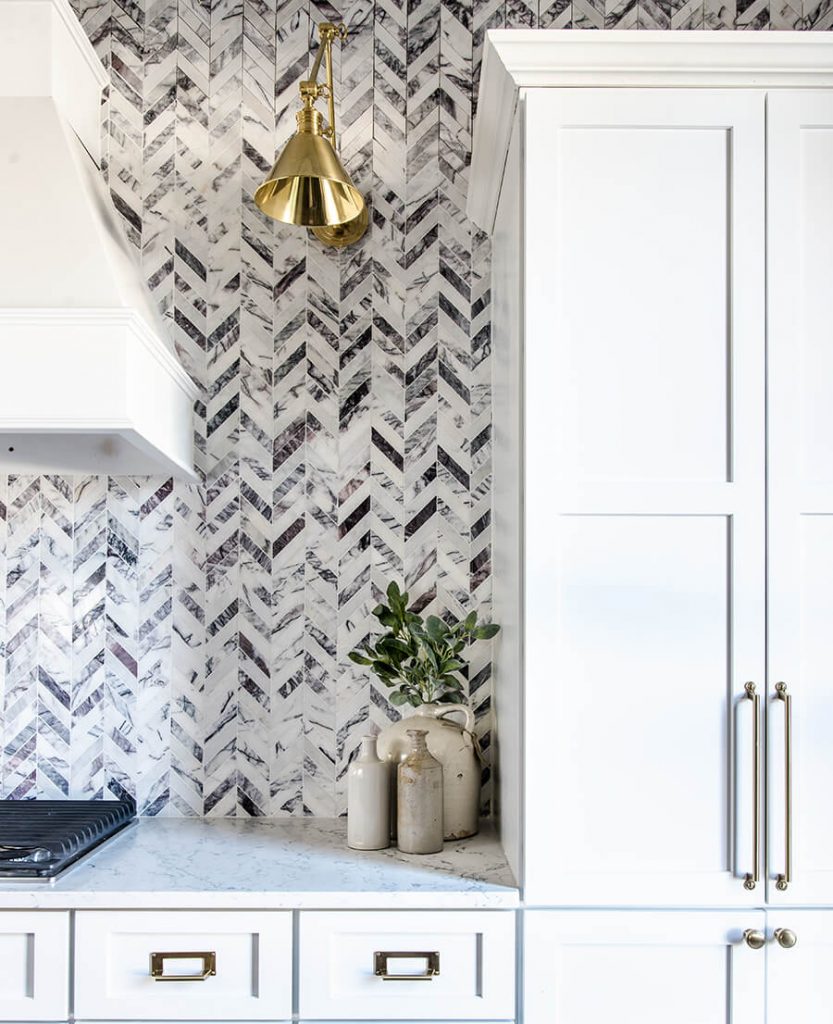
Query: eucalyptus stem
420	660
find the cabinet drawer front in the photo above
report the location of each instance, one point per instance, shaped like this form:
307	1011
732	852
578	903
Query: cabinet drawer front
461	967
240	966
34	965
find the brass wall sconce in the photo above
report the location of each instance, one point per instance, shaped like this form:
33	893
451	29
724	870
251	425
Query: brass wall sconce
308	185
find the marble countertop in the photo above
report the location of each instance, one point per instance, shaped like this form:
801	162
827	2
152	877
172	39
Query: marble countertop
258	863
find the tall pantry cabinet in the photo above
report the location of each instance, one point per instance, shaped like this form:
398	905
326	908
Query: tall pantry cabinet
661	212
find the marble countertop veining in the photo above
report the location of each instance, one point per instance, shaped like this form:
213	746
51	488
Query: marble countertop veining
259	863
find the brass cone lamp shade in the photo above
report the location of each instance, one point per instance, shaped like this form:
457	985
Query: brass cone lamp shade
308	185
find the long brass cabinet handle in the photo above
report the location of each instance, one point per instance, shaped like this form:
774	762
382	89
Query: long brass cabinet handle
380	966
157	966
752	877
783	880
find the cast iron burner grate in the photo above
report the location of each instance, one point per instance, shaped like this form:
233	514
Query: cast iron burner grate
39	838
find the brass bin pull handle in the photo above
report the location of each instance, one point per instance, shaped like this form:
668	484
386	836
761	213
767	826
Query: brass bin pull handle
432	966
157	966
752	878
783	880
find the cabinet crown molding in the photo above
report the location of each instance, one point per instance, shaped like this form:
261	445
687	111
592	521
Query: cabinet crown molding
518	59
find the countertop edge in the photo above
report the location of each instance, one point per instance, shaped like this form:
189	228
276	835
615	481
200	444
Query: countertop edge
173	900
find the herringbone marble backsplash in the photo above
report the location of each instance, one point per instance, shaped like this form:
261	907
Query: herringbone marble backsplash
188	645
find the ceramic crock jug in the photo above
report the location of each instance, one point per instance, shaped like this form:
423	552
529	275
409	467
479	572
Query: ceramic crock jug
453	745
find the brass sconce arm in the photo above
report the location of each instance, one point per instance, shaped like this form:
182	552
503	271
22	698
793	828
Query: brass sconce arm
310	89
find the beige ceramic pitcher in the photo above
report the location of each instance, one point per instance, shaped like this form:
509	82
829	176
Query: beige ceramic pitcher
453	745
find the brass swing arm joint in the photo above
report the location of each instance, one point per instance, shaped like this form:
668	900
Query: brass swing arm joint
310	89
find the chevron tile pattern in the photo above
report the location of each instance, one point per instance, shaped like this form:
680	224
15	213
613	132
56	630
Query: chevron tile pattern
187	645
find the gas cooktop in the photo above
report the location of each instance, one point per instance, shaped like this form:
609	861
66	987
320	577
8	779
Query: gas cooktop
40	838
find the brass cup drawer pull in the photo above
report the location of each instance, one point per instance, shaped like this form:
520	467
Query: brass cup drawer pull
432	966
157	966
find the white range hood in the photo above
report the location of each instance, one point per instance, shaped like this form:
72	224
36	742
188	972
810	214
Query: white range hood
89	381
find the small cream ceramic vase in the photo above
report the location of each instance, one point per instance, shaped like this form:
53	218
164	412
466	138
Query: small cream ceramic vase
368	799
453	746
419	823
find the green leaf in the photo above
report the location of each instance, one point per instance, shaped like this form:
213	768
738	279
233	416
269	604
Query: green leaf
359	659
416	631
392	643
394	596
453	666
379	610
452	683
435	627
487	632
414	699
398	698
470	621
433	660
450	698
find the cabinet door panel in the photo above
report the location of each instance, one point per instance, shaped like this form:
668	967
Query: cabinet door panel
590	967
642	625
800	978
800	386
644	516
34	965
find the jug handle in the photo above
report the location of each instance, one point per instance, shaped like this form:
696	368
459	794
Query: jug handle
462	709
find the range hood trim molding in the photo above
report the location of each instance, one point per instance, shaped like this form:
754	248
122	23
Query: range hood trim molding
115	401
117	318
65	12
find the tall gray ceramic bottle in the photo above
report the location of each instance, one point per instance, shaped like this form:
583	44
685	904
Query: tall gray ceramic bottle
419	818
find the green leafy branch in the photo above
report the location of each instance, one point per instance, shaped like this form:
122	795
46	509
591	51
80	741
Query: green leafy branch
421	659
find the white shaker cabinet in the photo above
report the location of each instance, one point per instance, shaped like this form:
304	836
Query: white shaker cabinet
800	402
644	326
800	967
595	967
34	965
693	967
183	965
662	232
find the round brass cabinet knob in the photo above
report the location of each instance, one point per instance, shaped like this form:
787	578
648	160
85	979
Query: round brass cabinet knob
785	938
754	939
